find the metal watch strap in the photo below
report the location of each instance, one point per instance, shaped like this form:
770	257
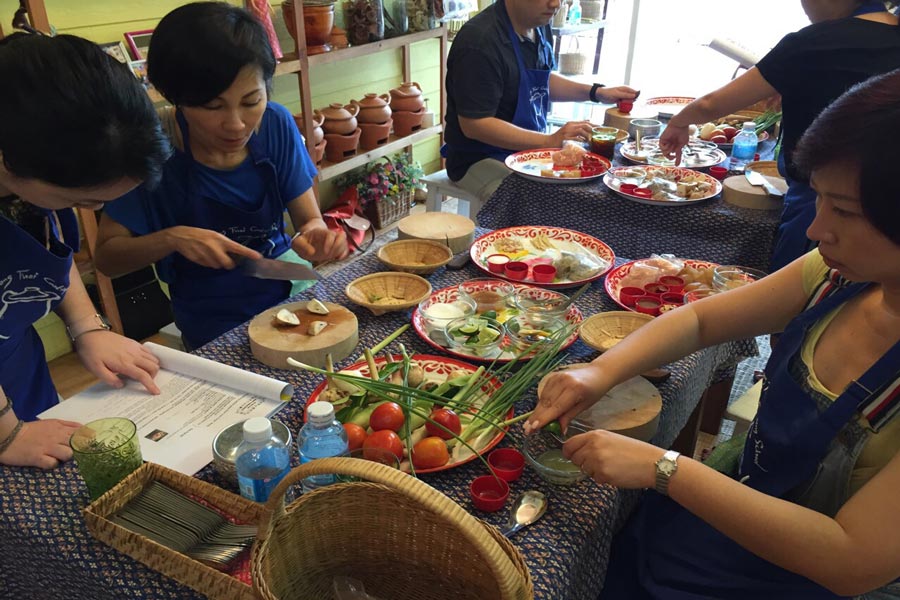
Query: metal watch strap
593	94
102	325
666	467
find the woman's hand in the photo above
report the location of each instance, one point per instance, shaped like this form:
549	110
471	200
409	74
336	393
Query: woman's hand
566	393
42	444
573	130
208	248
109	355
672	140
318	244
611	95
608	457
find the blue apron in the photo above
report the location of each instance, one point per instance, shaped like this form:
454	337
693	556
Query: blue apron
666	552
208	302
33	281
533	95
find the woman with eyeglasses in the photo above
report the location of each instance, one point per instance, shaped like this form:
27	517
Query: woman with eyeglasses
77	131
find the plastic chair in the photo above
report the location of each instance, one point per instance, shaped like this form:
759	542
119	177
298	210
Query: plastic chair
441	187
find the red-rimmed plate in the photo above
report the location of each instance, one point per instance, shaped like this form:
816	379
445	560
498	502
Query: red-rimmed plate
667	106
537	165
436	368
696	155
615	179
545	244
449	295
762	137
616	277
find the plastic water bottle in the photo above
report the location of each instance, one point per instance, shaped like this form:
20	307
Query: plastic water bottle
321	437
744	148
575	13
262	460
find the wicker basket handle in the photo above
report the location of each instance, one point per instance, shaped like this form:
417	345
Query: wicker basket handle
507	577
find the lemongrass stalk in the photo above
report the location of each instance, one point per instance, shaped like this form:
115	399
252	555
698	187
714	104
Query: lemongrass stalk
383	343
329	366
407	403
373	368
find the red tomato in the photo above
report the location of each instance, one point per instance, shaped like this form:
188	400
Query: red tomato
729	132
387	416
430	453
719	139
446	418
356	435
380	441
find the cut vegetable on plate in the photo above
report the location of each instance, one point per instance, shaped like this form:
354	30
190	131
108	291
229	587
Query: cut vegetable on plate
553	165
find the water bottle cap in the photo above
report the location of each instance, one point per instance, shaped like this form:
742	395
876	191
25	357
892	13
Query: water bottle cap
749	125
257	429
320	413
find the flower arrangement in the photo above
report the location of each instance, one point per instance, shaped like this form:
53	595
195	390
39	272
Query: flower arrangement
385	187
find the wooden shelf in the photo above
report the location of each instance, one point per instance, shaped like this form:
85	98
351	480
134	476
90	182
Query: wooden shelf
328	170
573	29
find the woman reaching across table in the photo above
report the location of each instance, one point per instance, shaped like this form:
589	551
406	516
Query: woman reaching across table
812	509
77	131
239	164
848	42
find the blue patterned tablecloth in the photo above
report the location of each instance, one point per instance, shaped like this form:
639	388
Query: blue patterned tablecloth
712	230
47	552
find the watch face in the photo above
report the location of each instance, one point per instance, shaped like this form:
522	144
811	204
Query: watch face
667	467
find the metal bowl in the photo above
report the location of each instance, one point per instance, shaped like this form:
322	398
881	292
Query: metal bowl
226	443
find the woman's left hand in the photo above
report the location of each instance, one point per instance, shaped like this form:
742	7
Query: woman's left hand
109	355
319	244
608	457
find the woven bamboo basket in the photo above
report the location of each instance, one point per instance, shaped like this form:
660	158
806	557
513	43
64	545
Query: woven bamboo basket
572	62
592	9
421	257
179	567
388	291
604	330
389	209
397	535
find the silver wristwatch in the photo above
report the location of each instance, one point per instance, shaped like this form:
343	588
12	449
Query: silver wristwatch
665	468
102	324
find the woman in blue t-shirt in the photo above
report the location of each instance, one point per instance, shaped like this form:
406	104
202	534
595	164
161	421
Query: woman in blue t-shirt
239	164
77	131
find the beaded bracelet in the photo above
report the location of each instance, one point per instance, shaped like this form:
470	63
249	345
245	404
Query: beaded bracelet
11	437
6	408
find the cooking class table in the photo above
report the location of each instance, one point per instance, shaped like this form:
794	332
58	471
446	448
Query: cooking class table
47	552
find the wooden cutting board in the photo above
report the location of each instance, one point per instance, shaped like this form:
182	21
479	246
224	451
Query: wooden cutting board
456	231
738	191
616	118
273	345
631	408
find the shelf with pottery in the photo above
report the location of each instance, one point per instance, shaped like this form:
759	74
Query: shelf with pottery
394	144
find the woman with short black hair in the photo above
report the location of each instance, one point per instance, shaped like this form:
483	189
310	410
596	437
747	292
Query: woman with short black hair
77	131
239	164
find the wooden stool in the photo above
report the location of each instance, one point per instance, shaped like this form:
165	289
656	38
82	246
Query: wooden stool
440	187
743	410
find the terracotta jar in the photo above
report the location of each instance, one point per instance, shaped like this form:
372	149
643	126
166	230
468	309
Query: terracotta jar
375	134
373	108
319	151
407	97
341	147
340	119
317	133
339	38
318	20
407	122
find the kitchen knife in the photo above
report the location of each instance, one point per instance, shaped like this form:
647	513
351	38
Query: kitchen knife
267	268
758	179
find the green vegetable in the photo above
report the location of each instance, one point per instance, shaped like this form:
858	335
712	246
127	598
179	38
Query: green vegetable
766	120
553	427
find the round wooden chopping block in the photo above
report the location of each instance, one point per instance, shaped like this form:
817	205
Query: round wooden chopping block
456	231
631	408
272	345
738	191
616	118
768	168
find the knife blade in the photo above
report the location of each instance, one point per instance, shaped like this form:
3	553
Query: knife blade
267	268
758	179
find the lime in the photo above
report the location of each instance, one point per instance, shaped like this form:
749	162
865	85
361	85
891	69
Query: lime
487	335
469	328
491	314
554	427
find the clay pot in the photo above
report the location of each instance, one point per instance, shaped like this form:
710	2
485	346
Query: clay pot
341	147
373	108
318	19
340	119
287	11
375	134
319	151
318	134
339	38
406	122
407	97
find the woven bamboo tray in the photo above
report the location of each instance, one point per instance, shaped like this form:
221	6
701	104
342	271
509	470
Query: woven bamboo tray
396	534
420	257
179	567
389	291
604	330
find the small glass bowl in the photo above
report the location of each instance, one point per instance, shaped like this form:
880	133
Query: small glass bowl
537	303
729	277
464	305
544	454
659	159
488	294
525	331
475	343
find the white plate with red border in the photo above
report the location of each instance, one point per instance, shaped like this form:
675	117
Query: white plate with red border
667	106
617	278
537	164
618	180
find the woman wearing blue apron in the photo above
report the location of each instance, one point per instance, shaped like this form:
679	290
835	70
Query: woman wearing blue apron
46	168
478	70
848	42
239	164
811	510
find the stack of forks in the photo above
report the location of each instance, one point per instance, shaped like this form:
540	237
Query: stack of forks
186	526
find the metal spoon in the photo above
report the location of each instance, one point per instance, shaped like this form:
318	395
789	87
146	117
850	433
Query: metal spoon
528	508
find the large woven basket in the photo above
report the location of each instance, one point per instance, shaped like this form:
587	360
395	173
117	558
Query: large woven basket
388	291
604	330
389	209
421	257
397	535
592	9
572	62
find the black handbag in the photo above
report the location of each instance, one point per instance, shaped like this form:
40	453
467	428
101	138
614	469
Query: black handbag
143	307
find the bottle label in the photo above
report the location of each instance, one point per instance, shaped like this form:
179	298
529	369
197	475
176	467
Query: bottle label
259	485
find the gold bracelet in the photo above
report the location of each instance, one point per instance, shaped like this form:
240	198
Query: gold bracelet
11	437
6	408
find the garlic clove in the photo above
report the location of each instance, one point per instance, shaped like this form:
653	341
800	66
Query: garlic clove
286	317
316	307
316	327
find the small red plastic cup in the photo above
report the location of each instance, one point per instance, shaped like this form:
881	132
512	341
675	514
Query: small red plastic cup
497	262
625	106
627	295
643	192
676	298
489	493
507	463
673	282
655	289
718	172
648	305
516	270
543	273
627	188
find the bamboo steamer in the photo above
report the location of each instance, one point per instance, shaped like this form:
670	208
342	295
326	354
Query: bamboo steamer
273	345
738	191
455	231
